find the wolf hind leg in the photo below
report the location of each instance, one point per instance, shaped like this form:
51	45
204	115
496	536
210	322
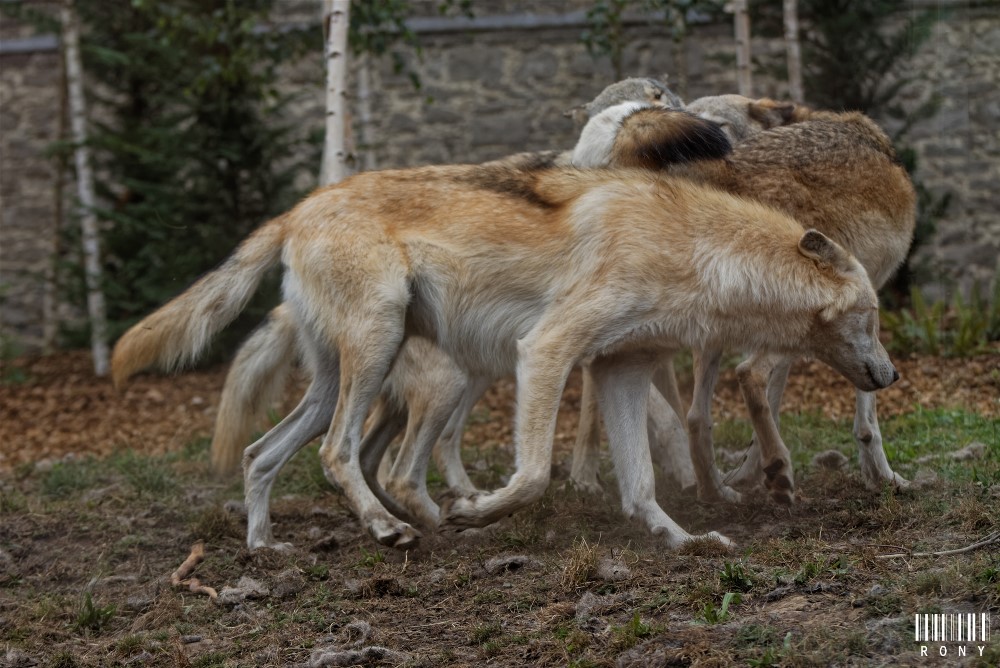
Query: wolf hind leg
263	460
367	351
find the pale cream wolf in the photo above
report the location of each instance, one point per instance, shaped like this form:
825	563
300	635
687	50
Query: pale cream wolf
258	374
526	269
833	172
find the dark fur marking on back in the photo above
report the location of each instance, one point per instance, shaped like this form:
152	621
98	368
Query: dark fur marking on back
516	183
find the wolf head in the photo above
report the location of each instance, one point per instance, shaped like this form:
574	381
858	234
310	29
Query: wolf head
644	90
741	117
845	334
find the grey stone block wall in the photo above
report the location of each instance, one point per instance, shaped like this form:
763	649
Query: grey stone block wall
488	93
29	122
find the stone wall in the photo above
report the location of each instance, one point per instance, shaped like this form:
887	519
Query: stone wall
494	87
958	150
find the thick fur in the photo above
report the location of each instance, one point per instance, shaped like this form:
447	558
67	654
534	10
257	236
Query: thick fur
257	373
535	270
742	117
655	137
837	173
179	331
260	371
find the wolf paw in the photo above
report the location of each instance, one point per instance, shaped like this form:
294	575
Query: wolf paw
779	481
591	487
275	545
876	482
399	535
460	512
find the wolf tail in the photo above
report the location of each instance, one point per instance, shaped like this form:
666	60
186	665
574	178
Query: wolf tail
255	382
179	331
642	136
656	138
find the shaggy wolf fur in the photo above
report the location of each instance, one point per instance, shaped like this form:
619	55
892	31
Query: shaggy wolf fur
532	270
258	373
836	173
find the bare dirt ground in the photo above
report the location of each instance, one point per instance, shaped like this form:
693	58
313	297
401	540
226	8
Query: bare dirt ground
88	544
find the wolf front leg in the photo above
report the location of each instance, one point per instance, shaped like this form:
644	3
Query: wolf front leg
875	469
753	375
699	419
623	388
545	358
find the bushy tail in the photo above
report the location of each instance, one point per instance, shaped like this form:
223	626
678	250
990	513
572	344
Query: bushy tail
656	138
256	380
178	332
642	136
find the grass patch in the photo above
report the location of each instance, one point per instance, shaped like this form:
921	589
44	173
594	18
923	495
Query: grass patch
66	479
92	617
631	633
148	476
717	615
302	476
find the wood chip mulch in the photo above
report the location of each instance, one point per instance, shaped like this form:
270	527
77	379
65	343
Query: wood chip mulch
59	407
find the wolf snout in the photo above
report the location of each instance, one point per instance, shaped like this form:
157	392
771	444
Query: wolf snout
882	376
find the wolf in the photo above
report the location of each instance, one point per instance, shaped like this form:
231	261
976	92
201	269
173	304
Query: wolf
530	270
259	372
834	172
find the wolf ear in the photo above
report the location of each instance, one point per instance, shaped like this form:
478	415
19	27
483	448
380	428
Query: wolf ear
771	114
819	247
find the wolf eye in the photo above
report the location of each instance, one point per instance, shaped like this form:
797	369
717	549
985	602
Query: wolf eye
657	95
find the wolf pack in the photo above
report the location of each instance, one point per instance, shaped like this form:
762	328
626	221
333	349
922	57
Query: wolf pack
724	225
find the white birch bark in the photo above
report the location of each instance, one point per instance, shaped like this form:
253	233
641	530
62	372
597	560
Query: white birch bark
742	25
336	19
794	51
85	188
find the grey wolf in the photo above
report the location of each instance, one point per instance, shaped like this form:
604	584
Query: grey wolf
526	269
836	173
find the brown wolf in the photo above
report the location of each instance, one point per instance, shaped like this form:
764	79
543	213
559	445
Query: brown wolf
834	172
526	269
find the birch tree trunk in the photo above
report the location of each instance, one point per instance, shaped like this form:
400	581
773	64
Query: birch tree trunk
742	24
336	19
85	188
794	51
